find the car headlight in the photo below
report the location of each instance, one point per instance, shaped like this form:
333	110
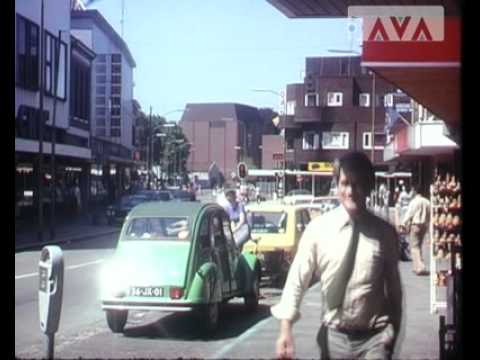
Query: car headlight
113	281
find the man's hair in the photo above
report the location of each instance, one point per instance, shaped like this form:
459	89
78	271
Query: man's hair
359	164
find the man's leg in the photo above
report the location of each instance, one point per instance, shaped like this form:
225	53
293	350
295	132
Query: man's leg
378	346
415	250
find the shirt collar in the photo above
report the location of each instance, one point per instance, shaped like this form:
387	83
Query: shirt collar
346	220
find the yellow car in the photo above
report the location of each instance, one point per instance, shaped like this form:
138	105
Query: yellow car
276	229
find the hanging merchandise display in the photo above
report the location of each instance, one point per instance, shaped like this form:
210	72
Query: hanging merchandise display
445	230
446	261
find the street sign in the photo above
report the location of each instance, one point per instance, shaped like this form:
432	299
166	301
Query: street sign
320	166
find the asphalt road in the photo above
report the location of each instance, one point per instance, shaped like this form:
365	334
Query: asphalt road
83	331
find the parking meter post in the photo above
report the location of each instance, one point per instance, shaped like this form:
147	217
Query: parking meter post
50	293
50	345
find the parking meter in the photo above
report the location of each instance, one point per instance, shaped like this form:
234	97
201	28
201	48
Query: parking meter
50	290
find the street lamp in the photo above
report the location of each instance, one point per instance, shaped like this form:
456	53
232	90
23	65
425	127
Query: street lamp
284	98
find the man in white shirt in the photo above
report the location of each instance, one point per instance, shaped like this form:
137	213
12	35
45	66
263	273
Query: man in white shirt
355	255
417	218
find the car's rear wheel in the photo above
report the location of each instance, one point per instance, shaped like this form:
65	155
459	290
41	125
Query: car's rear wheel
211	314
116	320
251	299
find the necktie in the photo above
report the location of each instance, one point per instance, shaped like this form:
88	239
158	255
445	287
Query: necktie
336	291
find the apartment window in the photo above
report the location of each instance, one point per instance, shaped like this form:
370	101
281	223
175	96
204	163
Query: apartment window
116	68
388	100
335	99
101	79
364	100
115	111
116	58
291	107
312	100
310	141
101	69
100	101
379	141
115	100
115	121
100	121
116	79
335	140
100	111
100	90
290	143
115	132
100	132
80	89
115	90
27	64
51	44
101	58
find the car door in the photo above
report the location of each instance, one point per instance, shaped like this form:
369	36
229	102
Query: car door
219	244
233	251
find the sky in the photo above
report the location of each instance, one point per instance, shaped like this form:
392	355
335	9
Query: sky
191	51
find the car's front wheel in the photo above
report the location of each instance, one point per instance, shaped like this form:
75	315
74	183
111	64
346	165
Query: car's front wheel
251	299
211	314
116	320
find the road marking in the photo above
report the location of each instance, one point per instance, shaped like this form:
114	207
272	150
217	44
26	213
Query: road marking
67	268
224	350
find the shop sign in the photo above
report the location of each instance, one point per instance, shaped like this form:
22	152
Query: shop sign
320	166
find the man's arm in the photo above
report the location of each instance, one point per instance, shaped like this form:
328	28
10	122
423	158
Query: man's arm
285	346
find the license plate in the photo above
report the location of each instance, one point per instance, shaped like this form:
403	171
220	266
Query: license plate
146	291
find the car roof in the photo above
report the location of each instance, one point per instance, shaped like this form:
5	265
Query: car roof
162	208
270	207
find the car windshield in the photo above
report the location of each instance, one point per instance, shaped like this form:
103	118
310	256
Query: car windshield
158	228
268	222
131	201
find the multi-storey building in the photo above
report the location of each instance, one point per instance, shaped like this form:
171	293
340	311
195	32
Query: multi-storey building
112	83
66	113
222	133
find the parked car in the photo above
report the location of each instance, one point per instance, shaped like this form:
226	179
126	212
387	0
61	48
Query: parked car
276	229
180	258
156	195
116	213
298	196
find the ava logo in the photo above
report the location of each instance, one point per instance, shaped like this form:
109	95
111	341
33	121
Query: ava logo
400	23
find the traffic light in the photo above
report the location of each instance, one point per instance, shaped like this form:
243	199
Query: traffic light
242	170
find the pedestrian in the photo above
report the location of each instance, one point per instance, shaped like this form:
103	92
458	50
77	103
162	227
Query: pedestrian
78	197
355	255
235	210
415	222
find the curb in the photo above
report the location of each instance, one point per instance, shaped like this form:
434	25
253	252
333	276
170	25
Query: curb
66	241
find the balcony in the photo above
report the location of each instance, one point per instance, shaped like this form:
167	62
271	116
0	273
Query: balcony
422	138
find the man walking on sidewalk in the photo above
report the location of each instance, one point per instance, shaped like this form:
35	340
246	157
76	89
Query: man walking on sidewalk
417	219
355	255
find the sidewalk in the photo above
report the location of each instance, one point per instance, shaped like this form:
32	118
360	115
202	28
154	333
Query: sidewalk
76	228
418	338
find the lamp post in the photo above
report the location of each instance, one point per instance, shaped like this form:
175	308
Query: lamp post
40	129
284	98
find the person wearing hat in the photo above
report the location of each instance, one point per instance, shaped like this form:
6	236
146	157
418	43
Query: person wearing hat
234	209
